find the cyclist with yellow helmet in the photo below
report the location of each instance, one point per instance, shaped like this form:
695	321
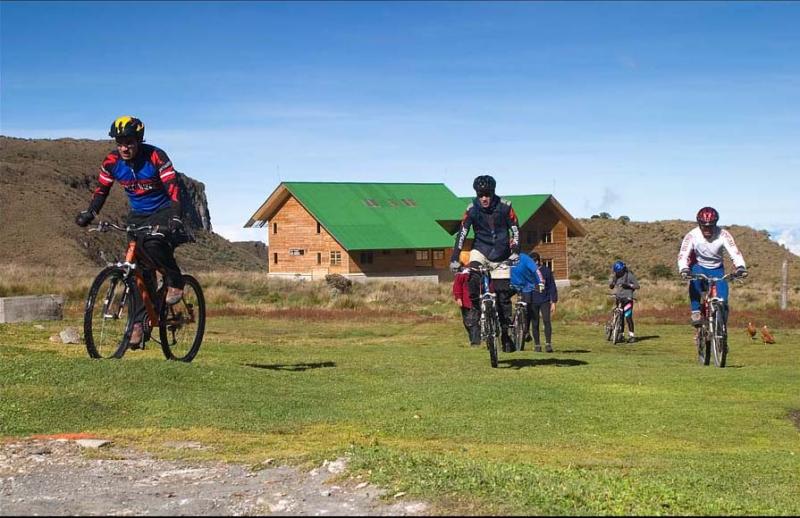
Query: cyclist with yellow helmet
151	183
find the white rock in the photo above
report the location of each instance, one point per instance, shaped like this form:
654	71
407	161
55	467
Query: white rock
337	466
70	335
92	443
418	507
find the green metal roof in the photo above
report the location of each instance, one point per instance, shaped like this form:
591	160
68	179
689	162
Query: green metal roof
374	216
525	205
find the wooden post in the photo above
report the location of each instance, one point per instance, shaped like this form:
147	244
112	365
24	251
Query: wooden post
785	284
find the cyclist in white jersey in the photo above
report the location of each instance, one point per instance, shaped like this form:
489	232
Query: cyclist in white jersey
701	252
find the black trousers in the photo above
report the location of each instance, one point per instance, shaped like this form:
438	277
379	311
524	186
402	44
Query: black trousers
470	317
159	249
534	310
502	287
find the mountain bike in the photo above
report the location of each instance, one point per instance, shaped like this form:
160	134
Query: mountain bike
490	318
519	324
614	326
110	307
712	335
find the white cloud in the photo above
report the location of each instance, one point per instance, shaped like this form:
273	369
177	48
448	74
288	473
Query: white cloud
788	237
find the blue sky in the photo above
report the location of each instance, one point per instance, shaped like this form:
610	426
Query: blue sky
644	109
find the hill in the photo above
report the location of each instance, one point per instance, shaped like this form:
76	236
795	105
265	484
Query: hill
45	183
651	250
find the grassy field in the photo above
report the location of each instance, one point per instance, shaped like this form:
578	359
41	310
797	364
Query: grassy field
590	429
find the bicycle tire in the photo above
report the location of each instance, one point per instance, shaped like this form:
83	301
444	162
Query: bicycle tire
520	327
619	332
610	327
105	331
703	346
720	339
182	325
491	333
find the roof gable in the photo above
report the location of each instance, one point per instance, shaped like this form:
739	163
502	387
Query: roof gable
368	216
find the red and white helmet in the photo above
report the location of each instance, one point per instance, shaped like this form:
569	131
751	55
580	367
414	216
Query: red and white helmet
707	217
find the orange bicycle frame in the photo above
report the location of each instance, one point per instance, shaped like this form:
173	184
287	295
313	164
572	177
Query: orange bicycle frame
130	257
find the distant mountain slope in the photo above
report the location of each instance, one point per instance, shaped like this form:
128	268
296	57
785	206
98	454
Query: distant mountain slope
45	183
651	250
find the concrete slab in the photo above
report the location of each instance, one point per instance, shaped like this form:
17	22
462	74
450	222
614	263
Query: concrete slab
31	307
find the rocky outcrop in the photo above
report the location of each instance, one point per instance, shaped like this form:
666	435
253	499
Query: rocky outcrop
194	203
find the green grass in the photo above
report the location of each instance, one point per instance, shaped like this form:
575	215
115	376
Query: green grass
590	429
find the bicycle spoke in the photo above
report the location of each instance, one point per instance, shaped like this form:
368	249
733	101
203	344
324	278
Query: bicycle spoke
106	320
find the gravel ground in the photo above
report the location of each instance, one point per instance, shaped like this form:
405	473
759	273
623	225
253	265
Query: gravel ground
54	477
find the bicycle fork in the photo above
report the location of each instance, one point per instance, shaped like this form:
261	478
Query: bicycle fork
108	301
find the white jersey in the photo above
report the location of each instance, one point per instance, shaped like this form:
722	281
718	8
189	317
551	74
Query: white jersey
708	253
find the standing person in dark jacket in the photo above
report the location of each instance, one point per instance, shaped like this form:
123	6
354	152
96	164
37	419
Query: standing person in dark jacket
469	313
496	239
624	282
543	302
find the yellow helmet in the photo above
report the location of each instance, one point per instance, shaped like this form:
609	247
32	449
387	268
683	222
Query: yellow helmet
127	126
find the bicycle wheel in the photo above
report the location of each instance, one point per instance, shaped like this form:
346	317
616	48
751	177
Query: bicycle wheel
107	319
703	346
609	328
619	332
520	324
182	325
491	333
720	339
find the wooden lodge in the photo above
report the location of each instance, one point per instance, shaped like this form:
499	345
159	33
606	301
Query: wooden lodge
392	230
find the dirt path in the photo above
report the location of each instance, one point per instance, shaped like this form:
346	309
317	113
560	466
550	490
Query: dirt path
55	477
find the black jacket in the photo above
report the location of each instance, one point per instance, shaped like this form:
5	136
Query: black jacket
492	227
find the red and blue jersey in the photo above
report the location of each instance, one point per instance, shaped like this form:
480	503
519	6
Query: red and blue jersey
149	180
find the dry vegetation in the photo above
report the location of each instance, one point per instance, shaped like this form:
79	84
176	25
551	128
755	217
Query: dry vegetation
253	293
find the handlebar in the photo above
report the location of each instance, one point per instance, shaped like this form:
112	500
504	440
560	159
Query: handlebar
104	226
486	269
704	277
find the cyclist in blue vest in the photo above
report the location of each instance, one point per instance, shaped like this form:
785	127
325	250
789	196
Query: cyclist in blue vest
496	240
151	183
541	301
527	279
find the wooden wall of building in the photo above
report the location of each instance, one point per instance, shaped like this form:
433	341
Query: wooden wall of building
402	261
534	233
293	228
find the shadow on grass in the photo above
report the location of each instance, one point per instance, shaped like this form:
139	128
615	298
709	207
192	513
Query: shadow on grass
649	337
576	351
520	363
291	366
794	417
